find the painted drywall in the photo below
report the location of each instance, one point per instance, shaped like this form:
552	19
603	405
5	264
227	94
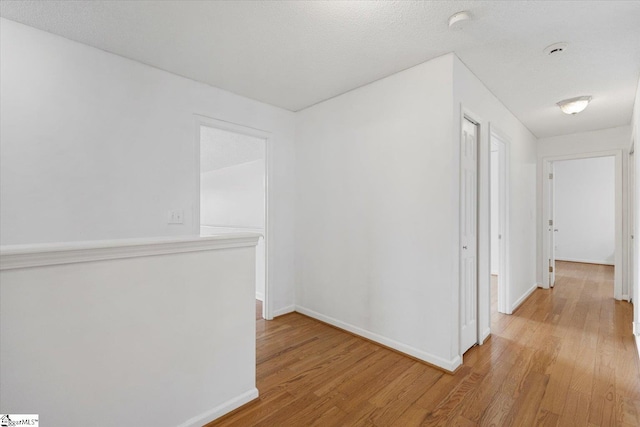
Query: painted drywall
232	179
374	211
471	97
584	212
585	144
233	196
378	200
95	146
161	340
495	210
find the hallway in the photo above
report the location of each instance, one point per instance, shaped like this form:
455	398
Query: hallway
565	357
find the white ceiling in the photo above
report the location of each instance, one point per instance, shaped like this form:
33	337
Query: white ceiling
293	54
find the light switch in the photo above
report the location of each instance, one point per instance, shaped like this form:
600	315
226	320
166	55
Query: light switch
175	217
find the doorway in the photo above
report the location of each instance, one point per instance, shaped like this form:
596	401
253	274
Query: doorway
469	143
499	222
582	213
232	189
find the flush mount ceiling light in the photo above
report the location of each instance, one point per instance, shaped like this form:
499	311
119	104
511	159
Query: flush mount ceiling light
457	20
555	48
574	105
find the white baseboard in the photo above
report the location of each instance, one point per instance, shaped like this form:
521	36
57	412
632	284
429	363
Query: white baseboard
259	296
520	300
284	310
447	365
636	335
585	261
220	410
625	297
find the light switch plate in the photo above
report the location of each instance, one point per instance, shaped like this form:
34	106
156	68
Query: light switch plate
175	217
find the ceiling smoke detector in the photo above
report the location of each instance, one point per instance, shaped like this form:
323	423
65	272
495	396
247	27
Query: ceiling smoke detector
555	48
457	20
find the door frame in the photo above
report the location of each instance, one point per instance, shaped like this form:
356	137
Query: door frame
483	276
618	253
631	223
634	285
201	120
504	152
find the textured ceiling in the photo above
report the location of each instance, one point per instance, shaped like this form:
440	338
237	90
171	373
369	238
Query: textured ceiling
293	54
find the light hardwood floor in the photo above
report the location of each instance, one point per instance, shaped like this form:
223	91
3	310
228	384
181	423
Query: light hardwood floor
566	357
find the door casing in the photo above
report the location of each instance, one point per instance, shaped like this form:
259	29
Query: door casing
620	273
503	144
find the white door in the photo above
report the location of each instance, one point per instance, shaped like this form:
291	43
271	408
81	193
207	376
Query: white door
499	219
468	235
632	218
552	229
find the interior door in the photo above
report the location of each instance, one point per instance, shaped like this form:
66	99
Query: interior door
632	226
468	235
552	229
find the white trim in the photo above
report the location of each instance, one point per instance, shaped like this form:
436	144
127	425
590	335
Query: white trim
284	310
202	120
504	154
220	410
37	255
259	296
482	251
522	299
584	261
620	200
448	365
485	335
235	227
636	328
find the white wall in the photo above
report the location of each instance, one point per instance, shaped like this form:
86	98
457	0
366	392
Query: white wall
378	207
233	196
584	212
471	95
96	146
162	340
635	136
582	144
495	210
374	211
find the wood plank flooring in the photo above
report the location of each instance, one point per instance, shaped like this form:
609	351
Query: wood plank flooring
566	357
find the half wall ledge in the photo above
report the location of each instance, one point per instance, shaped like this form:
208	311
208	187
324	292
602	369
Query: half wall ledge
42	254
